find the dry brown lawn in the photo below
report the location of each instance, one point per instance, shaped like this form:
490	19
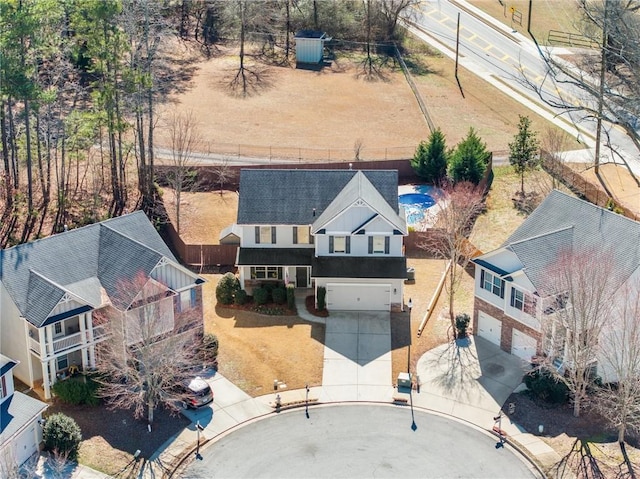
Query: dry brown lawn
322	114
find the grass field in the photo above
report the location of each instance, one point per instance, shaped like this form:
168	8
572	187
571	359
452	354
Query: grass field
546	15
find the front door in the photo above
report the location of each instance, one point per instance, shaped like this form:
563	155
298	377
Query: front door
301	278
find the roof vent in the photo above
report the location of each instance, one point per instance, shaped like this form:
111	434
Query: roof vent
314	212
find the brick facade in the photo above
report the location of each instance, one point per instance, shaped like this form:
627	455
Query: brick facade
508	325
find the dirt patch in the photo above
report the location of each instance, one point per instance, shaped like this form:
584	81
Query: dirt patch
110	438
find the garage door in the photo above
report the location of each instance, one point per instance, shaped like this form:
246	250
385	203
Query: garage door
358	297
489	328
523	345
26	444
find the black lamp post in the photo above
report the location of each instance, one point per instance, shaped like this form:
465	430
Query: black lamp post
409	305
198	429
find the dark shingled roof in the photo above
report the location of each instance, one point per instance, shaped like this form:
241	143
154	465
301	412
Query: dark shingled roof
563	223
354	267
289	197
37	274
275	256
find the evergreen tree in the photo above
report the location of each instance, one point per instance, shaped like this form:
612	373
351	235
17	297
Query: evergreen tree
468	161
523	151
430	159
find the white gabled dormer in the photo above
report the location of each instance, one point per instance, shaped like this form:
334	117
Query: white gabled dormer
359	222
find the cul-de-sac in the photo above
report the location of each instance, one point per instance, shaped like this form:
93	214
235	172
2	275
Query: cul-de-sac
319	239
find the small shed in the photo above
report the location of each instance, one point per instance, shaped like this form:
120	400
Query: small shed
310	46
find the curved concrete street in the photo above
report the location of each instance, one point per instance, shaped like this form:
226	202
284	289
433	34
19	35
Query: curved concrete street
354	441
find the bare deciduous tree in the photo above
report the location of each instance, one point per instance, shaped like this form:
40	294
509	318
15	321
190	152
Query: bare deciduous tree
576	306
606	82
223	173
619	401
151	349
185	141
459	204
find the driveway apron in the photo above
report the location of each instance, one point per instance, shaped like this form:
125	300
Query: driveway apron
357	357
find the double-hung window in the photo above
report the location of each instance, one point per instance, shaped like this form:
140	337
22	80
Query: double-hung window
517	299
340	244
265	235
492	283
301	235
266	272
378	245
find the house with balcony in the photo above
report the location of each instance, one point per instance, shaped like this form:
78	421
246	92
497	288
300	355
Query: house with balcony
338	229
513	300
20	422
53	290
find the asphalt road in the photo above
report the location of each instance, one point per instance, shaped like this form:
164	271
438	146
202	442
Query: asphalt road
358	441
505	59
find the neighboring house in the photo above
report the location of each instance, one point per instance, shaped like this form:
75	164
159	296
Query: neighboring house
510	305
50	290
20	421
340	229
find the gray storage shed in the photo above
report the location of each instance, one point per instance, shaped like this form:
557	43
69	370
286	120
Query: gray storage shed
310	46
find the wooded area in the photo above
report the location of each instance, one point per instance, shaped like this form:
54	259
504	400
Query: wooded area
81	82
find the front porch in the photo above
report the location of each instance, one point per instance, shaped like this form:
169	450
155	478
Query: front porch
60	349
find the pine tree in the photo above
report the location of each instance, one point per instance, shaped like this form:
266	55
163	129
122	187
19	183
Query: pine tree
430	159
523	151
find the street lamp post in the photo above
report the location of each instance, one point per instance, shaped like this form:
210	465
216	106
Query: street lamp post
306	407
410	306
198	429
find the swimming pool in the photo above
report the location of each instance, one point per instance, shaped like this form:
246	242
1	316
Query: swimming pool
417	199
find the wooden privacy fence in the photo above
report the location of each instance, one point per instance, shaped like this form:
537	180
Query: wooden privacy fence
581	186
201	254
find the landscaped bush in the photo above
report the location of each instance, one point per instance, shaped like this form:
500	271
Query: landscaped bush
77	391
322	295
260	295
291	297
61	434
240	297
462	323
279	295
227	287
542	385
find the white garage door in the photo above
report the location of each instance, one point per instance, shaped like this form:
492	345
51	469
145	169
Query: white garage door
26	444
489	328
523	345
358	297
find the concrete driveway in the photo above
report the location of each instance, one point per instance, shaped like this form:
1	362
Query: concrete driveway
357	357
470	380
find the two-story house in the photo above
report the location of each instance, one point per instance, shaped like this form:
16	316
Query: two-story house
511	302
51	289
20	421
338	229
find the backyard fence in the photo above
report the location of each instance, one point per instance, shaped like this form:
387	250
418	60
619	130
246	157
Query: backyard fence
583	187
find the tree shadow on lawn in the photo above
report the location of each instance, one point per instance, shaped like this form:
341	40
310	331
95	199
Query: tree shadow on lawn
120	429
250	319
588	437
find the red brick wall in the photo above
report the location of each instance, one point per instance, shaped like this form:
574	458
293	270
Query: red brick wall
508	325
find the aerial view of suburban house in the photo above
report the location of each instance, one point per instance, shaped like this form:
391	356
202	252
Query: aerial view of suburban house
338	229
20	421
510	304
51	289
